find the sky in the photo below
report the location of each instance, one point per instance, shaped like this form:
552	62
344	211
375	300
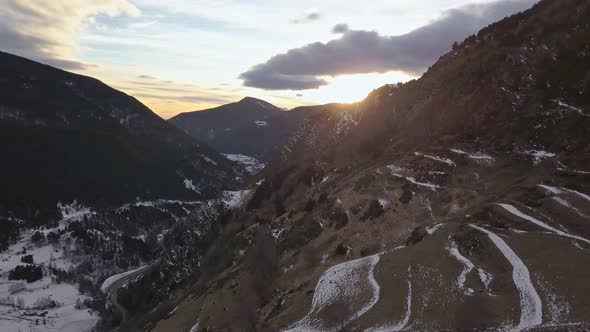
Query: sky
186	55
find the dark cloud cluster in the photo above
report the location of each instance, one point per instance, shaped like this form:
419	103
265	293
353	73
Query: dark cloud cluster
340	28
309	17
357	52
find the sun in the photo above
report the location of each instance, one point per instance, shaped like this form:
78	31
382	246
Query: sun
353	88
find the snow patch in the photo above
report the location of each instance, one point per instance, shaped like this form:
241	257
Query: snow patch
435	158
538	155
341	283
432	229
188	184
345	123
251	164
564	168
584	196
276	232
557	306
428	185
404	322
467	267
73	211
537	222
395	169
209	160
552	190
479	158
531	307
568	205
457	151
485	277
155	204
195	327
234	199
570	107
482	159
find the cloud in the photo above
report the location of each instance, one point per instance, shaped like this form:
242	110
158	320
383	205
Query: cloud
153	88
310	16
44	30
146	77
357	52
340	28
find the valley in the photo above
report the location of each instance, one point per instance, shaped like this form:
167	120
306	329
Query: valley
457	201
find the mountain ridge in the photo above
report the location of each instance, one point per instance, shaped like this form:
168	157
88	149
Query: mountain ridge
85	133
458	201
250	127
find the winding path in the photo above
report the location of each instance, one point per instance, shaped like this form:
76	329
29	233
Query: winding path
112	289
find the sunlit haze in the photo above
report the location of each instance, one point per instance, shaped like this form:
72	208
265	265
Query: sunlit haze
178	56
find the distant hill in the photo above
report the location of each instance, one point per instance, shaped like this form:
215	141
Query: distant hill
66	137
250	127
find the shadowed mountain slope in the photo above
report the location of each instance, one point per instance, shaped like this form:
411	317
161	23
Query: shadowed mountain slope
68	137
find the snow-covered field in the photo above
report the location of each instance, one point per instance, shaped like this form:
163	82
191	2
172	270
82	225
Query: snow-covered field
43	305
251	164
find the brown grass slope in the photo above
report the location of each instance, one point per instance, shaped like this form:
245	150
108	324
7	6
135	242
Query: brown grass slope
362	180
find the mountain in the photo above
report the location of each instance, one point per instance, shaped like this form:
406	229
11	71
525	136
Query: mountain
93	185
457	201
250	127
68	137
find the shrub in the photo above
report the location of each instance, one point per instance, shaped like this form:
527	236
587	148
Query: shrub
300	234
342	250
262	261
406	196
30	273
53	237
340	218
38	237
416	236
27	259
370	249
44	302
375	210
311	256
309	205
279	207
